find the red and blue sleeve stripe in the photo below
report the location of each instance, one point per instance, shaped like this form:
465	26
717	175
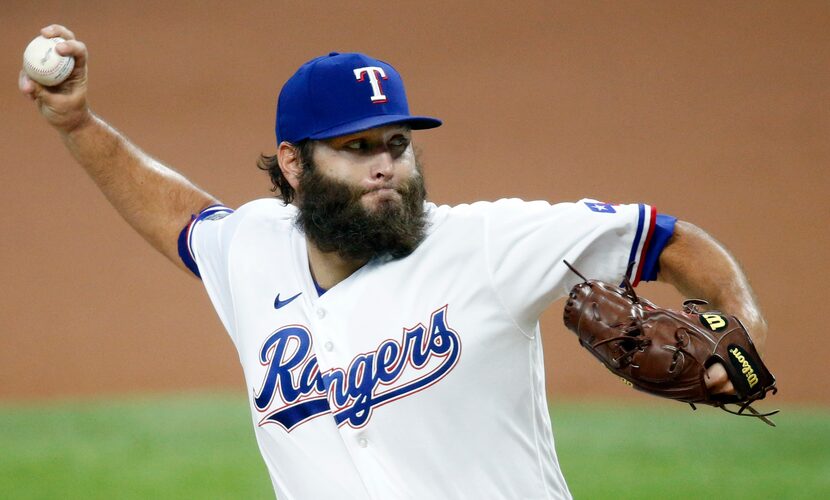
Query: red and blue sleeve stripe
186	236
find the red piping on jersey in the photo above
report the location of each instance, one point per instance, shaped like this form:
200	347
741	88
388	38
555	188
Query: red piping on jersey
652	221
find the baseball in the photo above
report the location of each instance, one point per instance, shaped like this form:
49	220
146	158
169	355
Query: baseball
43	64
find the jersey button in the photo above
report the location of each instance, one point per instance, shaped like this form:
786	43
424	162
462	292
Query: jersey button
329	346
321	313
363	442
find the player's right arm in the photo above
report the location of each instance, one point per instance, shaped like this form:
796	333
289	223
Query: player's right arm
154	199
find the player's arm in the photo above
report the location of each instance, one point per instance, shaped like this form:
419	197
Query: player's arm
700	267
154	199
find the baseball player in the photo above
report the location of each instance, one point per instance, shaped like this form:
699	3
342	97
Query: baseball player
390	346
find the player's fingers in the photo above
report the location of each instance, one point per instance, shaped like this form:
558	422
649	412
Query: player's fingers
716	376
27	86
728	388
717	380
73	48
23	83
54	30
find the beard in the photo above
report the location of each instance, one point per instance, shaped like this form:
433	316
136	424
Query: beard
333	218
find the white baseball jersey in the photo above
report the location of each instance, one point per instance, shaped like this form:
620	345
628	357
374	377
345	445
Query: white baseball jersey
415	378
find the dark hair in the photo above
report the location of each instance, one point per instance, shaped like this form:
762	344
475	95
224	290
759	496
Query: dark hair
270	164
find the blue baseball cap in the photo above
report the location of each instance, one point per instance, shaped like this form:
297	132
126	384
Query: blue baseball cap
341	94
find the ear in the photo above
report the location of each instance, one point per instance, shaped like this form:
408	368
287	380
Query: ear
290	165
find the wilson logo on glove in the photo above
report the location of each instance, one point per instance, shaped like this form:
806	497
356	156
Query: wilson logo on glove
741	362
715	322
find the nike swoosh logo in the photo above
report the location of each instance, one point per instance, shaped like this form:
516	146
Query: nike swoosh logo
280	303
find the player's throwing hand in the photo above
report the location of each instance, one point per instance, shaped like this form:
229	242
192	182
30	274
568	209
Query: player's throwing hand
64	106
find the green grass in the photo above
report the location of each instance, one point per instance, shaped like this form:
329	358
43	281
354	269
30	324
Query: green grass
183	447
202	446
666	450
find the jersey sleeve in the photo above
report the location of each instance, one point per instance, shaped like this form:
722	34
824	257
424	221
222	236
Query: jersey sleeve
203	248
527	242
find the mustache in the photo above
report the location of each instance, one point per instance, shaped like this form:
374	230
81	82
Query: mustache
400	189
356	193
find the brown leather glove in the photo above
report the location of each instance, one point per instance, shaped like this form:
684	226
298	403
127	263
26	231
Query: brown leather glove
665	352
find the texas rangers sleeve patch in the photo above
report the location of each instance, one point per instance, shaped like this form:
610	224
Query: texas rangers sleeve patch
600	207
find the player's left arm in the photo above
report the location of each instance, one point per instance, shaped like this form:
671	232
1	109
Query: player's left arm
698	266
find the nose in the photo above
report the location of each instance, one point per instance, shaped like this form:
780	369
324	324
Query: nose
383	166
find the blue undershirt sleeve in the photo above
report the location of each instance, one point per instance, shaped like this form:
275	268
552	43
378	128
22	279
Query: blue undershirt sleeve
663	230
185	253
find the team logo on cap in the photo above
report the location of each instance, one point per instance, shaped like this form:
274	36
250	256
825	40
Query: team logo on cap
375	74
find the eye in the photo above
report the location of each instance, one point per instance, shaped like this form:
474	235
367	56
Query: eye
356	145
399	142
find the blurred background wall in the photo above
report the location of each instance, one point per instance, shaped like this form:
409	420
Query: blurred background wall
716	112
